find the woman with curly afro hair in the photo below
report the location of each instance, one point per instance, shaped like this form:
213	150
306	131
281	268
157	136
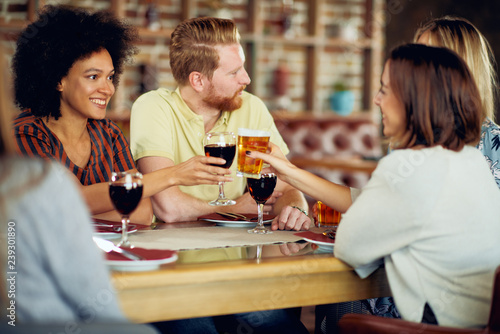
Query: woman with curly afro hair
66	68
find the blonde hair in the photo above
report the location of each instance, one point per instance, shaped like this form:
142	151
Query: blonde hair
193	46
461	36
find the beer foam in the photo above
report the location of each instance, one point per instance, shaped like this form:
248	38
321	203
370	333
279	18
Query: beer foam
253	133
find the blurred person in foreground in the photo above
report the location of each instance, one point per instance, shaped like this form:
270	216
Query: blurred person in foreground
167	126
429	209
64	77
461	36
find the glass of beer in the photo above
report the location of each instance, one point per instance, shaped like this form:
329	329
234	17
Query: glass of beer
251	140
327	217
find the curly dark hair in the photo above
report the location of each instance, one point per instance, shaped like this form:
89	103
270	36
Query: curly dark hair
48	48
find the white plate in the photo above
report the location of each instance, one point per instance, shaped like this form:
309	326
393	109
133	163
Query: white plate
143	265
321	245
236	223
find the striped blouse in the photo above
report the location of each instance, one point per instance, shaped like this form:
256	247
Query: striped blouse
109	149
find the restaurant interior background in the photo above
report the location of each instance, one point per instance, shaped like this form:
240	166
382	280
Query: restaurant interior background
297	50
299	53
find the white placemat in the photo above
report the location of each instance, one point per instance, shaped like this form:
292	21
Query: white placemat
207	237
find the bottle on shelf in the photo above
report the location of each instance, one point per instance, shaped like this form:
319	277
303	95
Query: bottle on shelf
285	21
152	17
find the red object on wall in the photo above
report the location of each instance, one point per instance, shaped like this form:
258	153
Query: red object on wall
281	80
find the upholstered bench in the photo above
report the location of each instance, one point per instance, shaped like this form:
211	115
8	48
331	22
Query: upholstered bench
341	149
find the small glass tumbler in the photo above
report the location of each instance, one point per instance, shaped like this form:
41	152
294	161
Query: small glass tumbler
327	217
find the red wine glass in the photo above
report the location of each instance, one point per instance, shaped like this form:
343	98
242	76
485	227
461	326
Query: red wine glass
125	190
260	190
221	145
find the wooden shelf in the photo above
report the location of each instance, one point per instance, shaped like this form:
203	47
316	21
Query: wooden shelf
308	115
298	40
266	39
148	33
306	41
15	26
313	55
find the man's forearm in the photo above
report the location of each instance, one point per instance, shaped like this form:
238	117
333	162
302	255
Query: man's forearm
173	205
290	197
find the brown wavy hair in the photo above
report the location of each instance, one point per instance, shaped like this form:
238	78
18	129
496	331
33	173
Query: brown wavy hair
193	46
441	100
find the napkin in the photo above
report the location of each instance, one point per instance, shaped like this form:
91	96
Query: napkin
208	237
216	216
147	254
315	236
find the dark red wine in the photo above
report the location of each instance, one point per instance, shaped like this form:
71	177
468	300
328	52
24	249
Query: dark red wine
225	152
261	189
125	200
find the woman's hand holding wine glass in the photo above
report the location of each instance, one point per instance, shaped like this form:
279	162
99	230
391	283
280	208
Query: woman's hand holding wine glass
260	190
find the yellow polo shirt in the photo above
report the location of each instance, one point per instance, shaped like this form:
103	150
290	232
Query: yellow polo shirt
163	125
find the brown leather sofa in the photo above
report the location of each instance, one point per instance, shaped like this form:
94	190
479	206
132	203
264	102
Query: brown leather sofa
341	149
361	323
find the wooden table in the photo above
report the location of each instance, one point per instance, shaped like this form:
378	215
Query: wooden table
187	290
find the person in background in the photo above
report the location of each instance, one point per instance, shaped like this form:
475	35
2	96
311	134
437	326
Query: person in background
167	127
428	211
461	36
64	77
50	267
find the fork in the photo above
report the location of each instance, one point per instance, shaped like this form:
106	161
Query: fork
115	228
234	215
330	233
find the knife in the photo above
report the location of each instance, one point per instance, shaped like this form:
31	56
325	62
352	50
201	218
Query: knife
108	246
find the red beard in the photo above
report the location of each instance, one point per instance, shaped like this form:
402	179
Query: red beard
224	103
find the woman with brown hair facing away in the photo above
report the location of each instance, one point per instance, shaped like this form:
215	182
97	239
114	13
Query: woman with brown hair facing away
428	211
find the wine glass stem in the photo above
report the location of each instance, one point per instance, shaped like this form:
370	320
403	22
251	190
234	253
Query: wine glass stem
124	242
259	253
222	196
260	215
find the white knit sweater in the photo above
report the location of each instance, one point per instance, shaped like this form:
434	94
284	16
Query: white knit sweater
433	217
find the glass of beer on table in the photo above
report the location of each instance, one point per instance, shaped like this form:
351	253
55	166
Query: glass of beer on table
327	217
251	140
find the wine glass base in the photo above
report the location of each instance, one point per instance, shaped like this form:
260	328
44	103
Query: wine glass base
126	244
222	202
260	230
